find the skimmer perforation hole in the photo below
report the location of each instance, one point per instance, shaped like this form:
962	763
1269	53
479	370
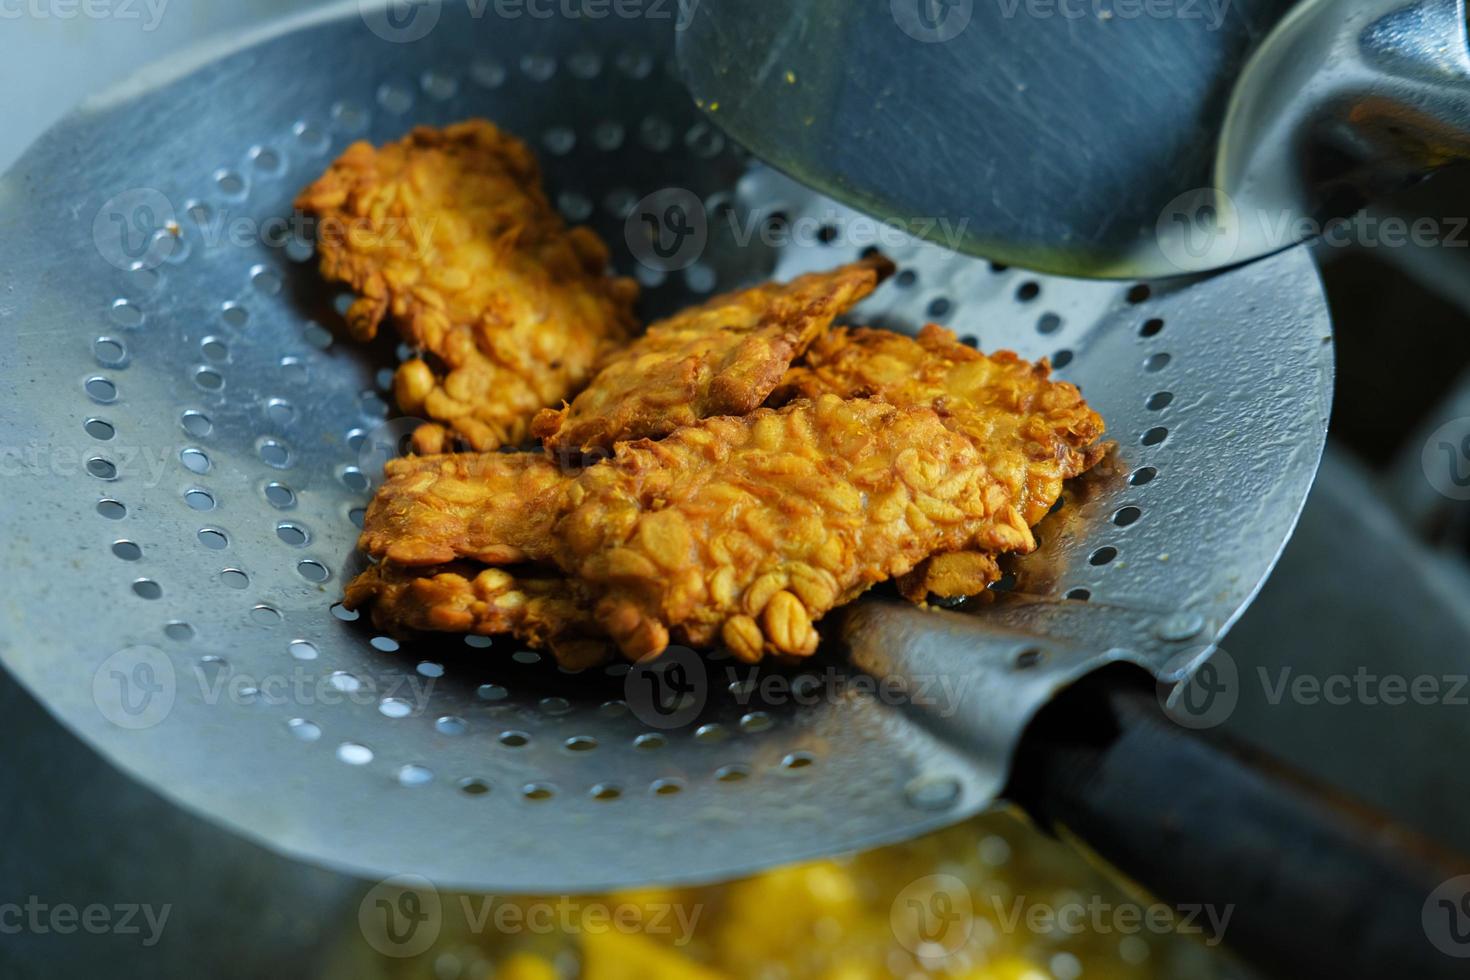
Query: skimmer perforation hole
213	538
110	352
306	731
196	424
538	67
196	461
101	390
99	429
292	534
126	314
414	775
315	571
354	753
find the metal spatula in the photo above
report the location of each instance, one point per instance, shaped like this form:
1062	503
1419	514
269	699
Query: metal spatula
196	449
1110	139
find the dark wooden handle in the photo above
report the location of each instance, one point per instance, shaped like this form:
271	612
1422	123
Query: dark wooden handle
1315	886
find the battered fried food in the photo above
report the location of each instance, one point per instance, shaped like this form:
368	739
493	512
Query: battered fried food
746	530
720	358
737	529
544	609
920	460
497	508
1032	432
448	234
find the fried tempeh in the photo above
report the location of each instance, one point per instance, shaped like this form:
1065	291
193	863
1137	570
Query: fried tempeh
497	508
544	610
1033	432
748	529
720	358
448	234
745	530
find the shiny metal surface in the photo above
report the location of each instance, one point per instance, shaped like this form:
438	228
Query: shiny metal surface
164	601
1085	140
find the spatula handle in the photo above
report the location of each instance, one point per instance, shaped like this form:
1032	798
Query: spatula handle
1313	886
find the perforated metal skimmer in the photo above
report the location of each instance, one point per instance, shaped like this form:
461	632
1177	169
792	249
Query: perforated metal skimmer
187	449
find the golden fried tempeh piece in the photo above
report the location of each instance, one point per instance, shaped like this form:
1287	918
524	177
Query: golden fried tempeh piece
1032	432
448	234
950	576
748	529
497	508
720	358
545	610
